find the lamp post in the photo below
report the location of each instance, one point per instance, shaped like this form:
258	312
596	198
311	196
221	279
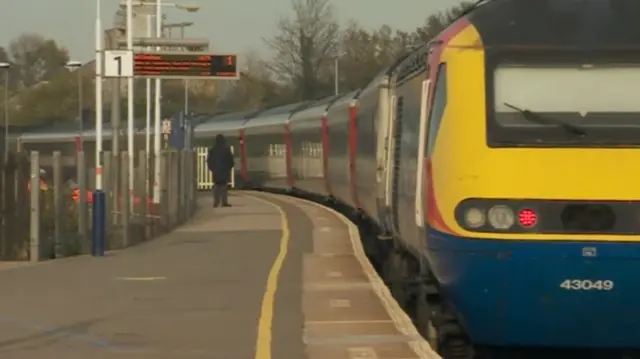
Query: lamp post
157	115
339	53
147	133
98	84
77	65
6	66
130	104
158	4
182	26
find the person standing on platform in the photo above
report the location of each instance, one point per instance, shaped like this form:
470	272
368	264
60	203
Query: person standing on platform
220	163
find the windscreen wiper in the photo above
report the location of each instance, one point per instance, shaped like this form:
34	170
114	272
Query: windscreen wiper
535	117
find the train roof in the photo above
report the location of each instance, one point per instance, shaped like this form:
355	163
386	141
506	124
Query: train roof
346	98
586	25
314	110
68	131
275	116
223	122
280	109
227	116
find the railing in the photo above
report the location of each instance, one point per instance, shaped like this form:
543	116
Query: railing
56	220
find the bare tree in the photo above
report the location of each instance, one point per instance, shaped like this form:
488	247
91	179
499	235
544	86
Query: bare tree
305	47
434	24
255	89
36	58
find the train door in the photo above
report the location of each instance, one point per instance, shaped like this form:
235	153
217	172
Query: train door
424	113
389	162
325	154
397	146
382	144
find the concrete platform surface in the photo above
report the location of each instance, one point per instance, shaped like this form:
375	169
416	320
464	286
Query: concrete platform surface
271	277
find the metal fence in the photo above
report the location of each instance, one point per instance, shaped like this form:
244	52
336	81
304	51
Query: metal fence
55	220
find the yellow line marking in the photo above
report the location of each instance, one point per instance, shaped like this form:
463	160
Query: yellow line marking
141	278
263	341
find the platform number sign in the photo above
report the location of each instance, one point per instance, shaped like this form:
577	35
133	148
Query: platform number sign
118	63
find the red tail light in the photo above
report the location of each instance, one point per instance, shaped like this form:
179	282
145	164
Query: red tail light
527	218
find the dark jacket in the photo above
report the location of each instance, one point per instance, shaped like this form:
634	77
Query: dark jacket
220	161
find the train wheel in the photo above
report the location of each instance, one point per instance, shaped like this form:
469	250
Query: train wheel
455	348
439	328
425	315
396	270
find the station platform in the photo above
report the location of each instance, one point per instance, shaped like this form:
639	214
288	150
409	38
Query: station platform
273	277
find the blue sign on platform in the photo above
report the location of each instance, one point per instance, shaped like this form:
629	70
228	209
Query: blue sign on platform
181	132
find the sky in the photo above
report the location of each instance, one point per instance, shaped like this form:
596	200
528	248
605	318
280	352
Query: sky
230	25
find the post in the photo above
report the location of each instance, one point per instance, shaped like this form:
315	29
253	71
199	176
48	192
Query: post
158	114
115	137
164	200
125	206
194	170
98	84
98	242
180	187
6	114
194	182
99	217
81	167
141	192
336	75
80	106
147	133
186	83
107	168
130	101
34	220
173	187
116	188
57	204
186	97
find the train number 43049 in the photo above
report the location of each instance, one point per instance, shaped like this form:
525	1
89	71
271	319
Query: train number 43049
585	284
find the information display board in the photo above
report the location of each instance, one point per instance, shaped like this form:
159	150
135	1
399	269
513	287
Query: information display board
186	65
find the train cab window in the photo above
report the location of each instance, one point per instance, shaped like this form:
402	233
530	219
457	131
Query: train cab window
437	107
564	104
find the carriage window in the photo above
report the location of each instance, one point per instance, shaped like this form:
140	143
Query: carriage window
437	107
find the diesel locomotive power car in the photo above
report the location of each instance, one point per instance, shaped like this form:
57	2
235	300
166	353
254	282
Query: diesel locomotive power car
496	166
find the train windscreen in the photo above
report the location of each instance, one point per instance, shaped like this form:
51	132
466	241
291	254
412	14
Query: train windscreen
582	104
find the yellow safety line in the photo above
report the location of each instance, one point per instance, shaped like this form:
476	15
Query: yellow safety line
263	340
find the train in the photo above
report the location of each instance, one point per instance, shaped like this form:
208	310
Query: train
492	170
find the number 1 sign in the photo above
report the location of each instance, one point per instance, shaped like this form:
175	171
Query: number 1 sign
118	63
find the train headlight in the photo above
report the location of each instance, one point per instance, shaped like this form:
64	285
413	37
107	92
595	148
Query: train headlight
501	217
474	218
